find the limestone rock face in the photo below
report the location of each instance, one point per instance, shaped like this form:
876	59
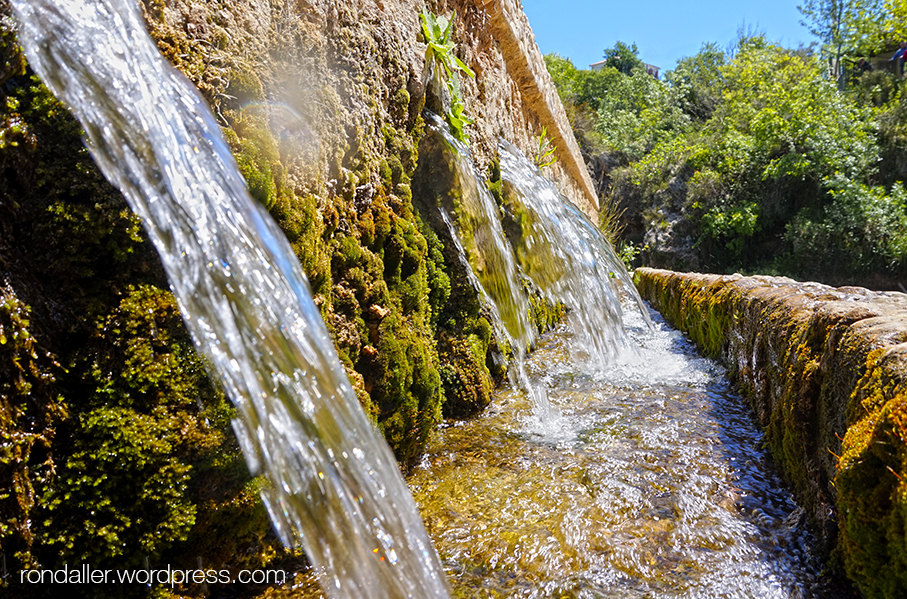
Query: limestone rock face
321	103
825	370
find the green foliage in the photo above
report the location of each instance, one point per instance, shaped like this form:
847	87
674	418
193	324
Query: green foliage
863	229
545	152
886	96
628	253
697	82
566	77
439	55
896	19
623	58
845	28
732	223
772	151
636	115
609	220
799	124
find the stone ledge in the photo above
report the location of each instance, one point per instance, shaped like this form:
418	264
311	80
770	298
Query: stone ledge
526	66
825	370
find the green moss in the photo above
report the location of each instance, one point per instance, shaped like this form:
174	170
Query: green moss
494	182
545	313
729	324
468	384
872	481
406	386
123	488
397	176
399	107
301	222
245	85
438	281
384	171
255	150
30	411
391	292
151	450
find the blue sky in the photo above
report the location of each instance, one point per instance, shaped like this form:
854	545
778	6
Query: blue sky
664	31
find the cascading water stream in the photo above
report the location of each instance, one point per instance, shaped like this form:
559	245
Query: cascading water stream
567	257
546	239
474	223
335	486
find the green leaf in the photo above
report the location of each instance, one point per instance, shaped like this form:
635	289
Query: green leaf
447	25
464	67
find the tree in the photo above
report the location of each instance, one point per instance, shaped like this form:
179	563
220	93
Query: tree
624	58
564	75
697	82
896	19
845	28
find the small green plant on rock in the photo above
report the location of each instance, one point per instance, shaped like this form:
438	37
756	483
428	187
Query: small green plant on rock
437	31
544	154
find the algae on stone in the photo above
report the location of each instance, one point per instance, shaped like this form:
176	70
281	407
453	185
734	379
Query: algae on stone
825	372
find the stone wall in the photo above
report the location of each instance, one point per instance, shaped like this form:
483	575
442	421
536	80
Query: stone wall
526	66
825	370
321	103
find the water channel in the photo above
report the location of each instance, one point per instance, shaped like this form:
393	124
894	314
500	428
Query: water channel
650	481
642	477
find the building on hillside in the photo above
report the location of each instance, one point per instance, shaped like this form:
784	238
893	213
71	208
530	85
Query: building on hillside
651	69
886	62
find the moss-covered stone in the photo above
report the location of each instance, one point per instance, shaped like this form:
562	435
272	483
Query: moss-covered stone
825	370
872	477
30	411
322	111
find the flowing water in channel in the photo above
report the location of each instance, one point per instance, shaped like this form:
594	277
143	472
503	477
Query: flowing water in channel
648	483
654	486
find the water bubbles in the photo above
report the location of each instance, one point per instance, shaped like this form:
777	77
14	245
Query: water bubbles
646	488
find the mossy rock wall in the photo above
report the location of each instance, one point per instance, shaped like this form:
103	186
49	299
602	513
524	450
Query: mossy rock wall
826	372
115	447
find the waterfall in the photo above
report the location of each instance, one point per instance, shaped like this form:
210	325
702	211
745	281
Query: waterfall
569	259
335	486
537	235
473	220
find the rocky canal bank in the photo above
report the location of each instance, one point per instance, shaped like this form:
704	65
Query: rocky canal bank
825	370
